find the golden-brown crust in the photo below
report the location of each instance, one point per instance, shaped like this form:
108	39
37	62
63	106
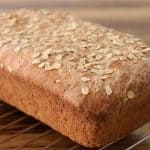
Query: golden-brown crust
94	111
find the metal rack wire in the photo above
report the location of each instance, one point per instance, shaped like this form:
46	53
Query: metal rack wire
13	124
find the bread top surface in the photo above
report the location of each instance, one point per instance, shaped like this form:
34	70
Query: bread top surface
82	63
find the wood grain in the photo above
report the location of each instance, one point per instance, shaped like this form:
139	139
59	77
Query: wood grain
132	16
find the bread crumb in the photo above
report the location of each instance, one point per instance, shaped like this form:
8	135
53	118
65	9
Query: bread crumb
108	90
58	57
146	50
45	56
35	55
130	94
9	68
122	57
41	65
108	71
47	52
99	57
17	49
85	79
98	72
57	81
103	77
56	65
36	61
85	90
48	67
114	59
117	52
130	56
1	44
1	65
133	51
109	55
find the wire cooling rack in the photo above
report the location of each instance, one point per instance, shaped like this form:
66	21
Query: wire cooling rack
21	132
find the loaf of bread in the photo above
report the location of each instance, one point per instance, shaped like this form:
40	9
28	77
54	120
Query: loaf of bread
86	81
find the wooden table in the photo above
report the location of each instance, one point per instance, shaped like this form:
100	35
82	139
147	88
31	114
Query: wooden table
132	16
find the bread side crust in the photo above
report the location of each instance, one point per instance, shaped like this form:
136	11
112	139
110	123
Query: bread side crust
82	126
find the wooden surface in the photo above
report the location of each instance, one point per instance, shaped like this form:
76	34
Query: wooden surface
132	16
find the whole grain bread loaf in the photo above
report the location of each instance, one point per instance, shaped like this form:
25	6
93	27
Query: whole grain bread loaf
86	81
